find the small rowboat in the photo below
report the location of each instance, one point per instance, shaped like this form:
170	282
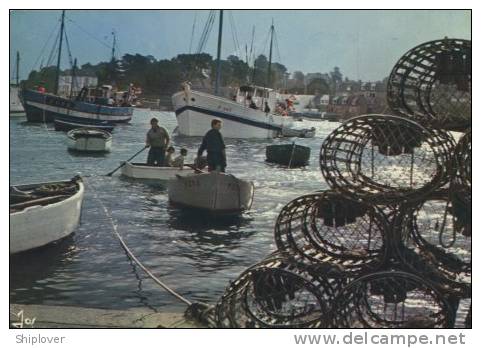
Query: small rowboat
144	171
68	123
300	133
290	155
89	140
43	213
213	192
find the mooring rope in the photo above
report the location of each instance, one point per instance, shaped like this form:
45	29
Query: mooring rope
134	258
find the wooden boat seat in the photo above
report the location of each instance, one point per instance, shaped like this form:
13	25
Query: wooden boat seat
90	135
37	201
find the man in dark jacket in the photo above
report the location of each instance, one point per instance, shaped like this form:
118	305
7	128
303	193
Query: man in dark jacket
214	144
157	139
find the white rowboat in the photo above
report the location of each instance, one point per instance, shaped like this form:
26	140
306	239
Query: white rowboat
89	140
43	213
144	171
213	192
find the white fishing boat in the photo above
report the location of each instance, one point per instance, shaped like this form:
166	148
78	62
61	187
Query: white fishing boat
43	213
247	114
16	107
144	171
214	192
89	140
195	111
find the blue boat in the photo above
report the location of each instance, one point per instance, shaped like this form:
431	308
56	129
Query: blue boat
45	107
90	103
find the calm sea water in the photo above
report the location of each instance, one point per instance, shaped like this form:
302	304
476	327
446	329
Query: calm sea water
195	255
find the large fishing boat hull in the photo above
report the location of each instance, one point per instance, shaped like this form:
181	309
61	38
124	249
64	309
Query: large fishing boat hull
214	192
144	171
44	107
39	225
195	111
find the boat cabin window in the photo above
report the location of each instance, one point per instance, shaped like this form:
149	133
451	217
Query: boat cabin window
259	95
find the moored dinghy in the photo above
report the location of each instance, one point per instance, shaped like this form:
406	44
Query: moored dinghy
291	155
214	192
89	140
144	171
43	213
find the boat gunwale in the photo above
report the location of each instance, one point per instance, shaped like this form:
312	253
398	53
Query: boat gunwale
76	195
107	136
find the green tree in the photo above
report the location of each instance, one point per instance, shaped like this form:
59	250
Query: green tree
318	86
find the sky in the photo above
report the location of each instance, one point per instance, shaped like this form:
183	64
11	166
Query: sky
364	44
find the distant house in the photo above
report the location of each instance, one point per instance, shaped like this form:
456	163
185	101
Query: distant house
347	106
65	83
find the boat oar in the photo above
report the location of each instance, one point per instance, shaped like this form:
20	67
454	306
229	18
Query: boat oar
123	164
197	170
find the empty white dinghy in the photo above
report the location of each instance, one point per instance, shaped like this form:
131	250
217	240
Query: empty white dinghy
89	140
215	192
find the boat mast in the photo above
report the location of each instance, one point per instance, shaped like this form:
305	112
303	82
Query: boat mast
18	64
72	84
270	56
219	46
113	45
59	53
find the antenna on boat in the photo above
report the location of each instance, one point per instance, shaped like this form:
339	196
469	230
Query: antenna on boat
219	46
270	56
59	52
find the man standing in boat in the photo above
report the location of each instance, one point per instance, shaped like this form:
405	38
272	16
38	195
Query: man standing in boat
213	142
157	139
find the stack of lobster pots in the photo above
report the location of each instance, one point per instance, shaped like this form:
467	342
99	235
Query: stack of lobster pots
388	245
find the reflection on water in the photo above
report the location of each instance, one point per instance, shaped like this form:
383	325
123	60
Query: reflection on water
193	253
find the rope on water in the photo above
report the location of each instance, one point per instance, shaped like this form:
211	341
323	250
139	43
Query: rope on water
134	258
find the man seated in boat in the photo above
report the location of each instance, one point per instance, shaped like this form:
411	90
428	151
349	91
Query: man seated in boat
157	139
178	162
213	142
169	156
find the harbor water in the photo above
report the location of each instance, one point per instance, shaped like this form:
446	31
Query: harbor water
194	254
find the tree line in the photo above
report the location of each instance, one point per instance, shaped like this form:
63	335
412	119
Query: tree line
163	77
